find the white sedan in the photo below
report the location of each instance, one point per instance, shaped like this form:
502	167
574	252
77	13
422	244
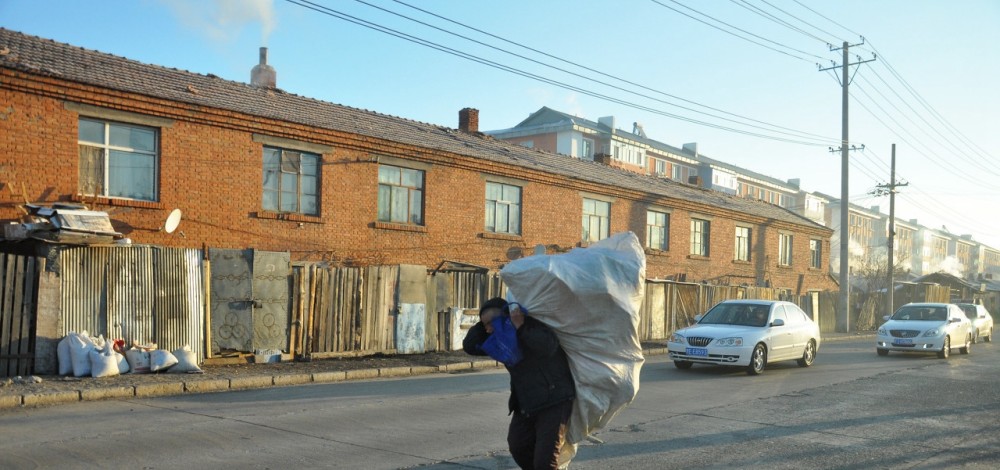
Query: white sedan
982	321
925	327
747	333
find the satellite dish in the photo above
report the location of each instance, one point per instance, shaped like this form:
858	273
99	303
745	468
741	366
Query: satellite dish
173	220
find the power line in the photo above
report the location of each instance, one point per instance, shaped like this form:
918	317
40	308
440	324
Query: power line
599	72
969	158
738	29
951	168
430	44
825	18
760	12
793	132
971	145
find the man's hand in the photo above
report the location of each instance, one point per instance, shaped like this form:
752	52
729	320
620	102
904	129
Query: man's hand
516	316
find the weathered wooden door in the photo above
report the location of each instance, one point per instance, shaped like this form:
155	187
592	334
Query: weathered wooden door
249	300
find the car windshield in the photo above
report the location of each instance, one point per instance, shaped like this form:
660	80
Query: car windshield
737	314
925	313
970	311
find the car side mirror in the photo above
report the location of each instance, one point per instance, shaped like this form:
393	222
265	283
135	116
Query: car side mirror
697	318
778	322
886	317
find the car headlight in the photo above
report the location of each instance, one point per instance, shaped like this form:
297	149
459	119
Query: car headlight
732	341
676	338
933	332
881	331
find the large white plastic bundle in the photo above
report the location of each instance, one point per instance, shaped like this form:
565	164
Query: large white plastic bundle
104	362
64	355
79	348
591	298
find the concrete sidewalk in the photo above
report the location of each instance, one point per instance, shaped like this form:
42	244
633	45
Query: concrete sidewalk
58	390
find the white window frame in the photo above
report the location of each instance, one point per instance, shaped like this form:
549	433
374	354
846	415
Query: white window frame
106	148
657	235
741	251
288	166
700	236
815	253
785	242
394	190
596	218
502	209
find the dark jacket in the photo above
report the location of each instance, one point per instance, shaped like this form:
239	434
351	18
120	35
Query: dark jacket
542	378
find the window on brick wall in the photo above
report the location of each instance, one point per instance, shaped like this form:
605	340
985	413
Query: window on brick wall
596	220
657	230
118	160
291	181
699	237
400	195
503	208
742	249
785	249
815	254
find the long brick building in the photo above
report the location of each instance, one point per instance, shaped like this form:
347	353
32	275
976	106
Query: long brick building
252	166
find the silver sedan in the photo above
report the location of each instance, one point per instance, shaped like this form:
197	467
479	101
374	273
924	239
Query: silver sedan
747	333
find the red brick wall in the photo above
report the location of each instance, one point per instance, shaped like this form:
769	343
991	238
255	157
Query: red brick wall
211	169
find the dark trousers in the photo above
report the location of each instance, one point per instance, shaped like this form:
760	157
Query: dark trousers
535	440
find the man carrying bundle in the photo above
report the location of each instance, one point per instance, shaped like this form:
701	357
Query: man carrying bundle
541	384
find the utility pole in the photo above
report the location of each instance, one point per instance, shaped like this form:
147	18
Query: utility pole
843	314
890	189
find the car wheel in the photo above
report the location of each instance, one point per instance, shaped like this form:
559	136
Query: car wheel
946	350
758	358
968	345
683	364
809	355
989	337
882	352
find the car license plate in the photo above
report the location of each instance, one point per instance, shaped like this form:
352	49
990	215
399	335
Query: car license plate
902	341
697	352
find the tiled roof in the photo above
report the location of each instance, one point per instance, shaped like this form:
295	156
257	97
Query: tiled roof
40	56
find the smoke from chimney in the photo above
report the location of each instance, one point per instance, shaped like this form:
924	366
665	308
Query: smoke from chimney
263	75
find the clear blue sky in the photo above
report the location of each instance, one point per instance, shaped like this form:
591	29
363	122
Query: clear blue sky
948	145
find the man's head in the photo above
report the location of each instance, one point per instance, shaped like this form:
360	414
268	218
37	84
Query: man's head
491	309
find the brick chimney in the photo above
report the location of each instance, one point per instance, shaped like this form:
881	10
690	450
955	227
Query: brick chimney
263	75
468	120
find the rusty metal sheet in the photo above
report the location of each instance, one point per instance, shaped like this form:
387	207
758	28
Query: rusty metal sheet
271	271
231	294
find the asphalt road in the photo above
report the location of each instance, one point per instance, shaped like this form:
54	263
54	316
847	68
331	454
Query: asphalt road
852	409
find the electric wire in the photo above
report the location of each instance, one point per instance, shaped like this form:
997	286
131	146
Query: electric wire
817	28
430	44
972	145
599	72
968	158
921	145
738	29
794	133
760	12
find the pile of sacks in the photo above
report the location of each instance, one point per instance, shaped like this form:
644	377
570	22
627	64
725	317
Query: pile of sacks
81	355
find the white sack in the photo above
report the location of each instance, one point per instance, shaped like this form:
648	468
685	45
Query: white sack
138	360
103	363
161	359
122	363
64	355
79	350
591	298
186	361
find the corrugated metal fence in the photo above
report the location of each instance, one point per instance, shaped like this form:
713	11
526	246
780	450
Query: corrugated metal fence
18	297
137	293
